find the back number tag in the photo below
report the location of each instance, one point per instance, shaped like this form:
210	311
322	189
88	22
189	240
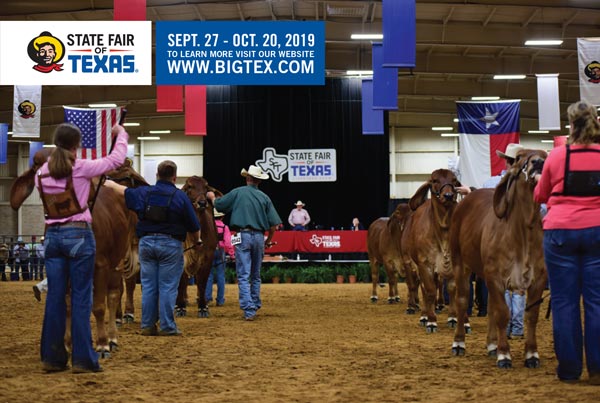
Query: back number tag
236	239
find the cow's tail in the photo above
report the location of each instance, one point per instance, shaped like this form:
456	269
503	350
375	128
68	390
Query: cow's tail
130	265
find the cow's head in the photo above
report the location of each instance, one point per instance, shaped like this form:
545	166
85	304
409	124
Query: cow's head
527	164
24	184
442	184
195	188
398	219
126	175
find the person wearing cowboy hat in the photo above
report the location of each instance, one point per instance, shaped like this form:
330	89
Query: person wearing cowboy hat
217	271
251	214
299	217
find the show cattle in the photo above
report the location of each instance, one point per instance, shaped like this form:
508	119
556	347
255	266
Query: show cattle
425	240
114	230
384	248
497	234
198	264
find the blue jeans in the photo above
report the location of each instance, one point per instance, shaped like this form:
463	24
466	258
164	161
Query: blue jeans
24	266
70	254
248	258
161	260
516	310
573	261
298	227
217	271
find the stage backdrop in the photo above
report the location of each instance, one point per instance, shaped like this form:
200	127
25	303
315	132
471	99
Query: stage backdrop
244	120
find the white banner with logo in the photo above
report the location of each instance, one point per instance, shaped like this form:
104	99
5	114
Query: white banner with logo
76	53
301	165
588	52
27	110
548	102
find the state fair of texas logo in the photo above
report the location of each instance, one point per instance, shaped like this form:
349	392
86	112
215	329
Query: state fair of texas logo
46	50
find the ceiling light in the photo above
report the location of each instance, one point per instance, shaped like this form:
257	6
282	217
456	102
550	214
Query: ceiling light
547	141
449	134
102	105
131	124
509	76
149	138
159	131
538	131
455	120
359	72
9	132
365	37
48	145
485	98
441	128
567	126
544	42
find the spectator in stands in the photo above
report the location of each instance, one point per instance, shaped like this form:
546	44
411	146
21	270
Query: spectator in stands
299	217
356	225
217	271
4	254
37	259
22	254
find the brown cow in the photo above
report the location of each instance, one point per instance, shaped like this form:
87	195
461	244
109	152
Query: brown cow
425	239
114	230
198	264
497	234
384	248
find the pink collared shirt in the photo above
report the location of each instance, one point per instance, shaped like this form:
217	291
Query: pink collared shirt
225	244
299	217
83	171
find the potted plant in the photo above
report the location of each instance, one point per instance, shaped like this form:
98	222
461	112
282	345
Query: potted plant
340	273
273	274
352	274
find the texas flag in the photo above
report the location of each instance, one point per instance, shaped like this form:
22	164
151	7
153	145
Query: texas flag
484	128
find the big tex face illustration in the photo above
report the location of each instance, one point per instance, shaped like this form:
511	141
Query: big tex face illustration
46	50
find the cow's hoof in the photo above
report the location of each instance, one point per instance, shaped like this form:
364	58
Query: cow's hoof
410	311
203	313
374	299
113	346
452	323
118	322
532	362
397	299
439	308
103	352
423	321
128	318
493	353
391	300
468	329
505	363
431	328
180	312
458	351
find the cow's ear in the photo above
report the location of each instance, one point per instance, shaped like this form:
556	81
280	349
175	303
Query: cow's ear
21	189
501	196
420	196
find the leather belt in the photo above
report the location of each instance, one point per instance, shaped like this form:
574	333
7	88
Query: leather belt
71	224
250	230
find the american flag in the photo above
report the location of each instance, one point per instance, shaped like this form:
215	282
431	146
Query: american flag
95	126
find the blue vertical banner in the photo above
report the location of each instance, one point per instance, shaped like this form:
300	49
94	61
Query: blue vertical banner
34	147
372	119
385	82
399	33
3	142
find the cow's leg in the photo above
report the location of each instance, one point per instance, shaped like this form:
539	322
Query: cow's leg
412	285
99	308
115	289
439	301
497	304
181	301
374	279
534	295
396	275
130	284
201	280
459	297
68	339
119	315
392	281
428	317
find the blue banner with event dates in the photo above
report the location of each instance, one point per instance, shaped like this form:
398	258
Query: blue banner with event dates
240	53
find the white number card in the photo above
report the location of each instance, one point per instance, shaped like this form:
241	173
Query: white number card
236	239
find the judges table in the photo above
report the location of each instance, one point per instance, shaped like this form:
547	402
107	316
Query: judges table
322	241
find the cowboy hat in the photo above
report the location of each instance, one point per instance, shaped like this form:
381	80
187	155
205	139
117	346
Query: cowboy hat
217	213
511	151
255	172
299	203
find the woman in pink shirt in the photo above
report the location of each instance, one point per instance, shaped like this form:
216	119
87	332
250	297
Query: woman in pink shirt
70	248
217	270
570	185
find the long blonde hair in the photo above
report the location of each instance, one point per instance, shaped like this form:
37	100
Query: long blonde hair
66	137
583	119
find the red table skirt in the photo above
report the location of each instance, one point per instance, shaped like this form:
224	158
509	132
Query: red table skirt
319	242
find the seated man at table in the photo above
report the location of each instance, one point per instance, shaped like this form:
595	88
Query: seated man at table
299	218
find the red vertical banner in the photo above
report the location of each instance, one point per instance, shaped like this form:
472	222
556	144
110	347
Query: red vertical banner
195	110
169	98
129	10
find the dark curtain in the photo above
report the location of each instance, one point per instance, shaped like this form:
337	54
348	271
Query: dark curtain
242	121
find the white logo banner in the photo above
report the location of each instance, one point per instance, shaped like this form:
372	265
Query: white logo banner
27	110
588	52
76	53
548	102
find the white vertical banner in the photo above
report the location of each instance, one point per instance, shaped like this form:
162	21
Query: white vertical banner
27	109
548	102
588	52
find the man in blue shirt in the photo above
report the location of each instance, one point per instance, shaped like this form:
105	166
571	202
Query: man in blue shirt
165	215
251	214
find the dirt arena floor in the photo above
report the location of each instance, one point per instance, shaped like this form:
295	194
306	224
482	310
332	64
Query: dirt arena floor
310	343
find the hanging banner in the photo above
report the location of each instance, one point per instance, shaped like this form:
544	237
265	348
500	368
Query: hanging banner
195	110
240	52
372	119
76	53
588	52
129	10
3	143
27	109
169	98
385	81
548	102
399	33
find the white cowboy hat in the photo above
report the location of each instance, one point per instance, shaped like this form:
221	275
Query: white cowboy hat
299	203
217	213
255	172
511	151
